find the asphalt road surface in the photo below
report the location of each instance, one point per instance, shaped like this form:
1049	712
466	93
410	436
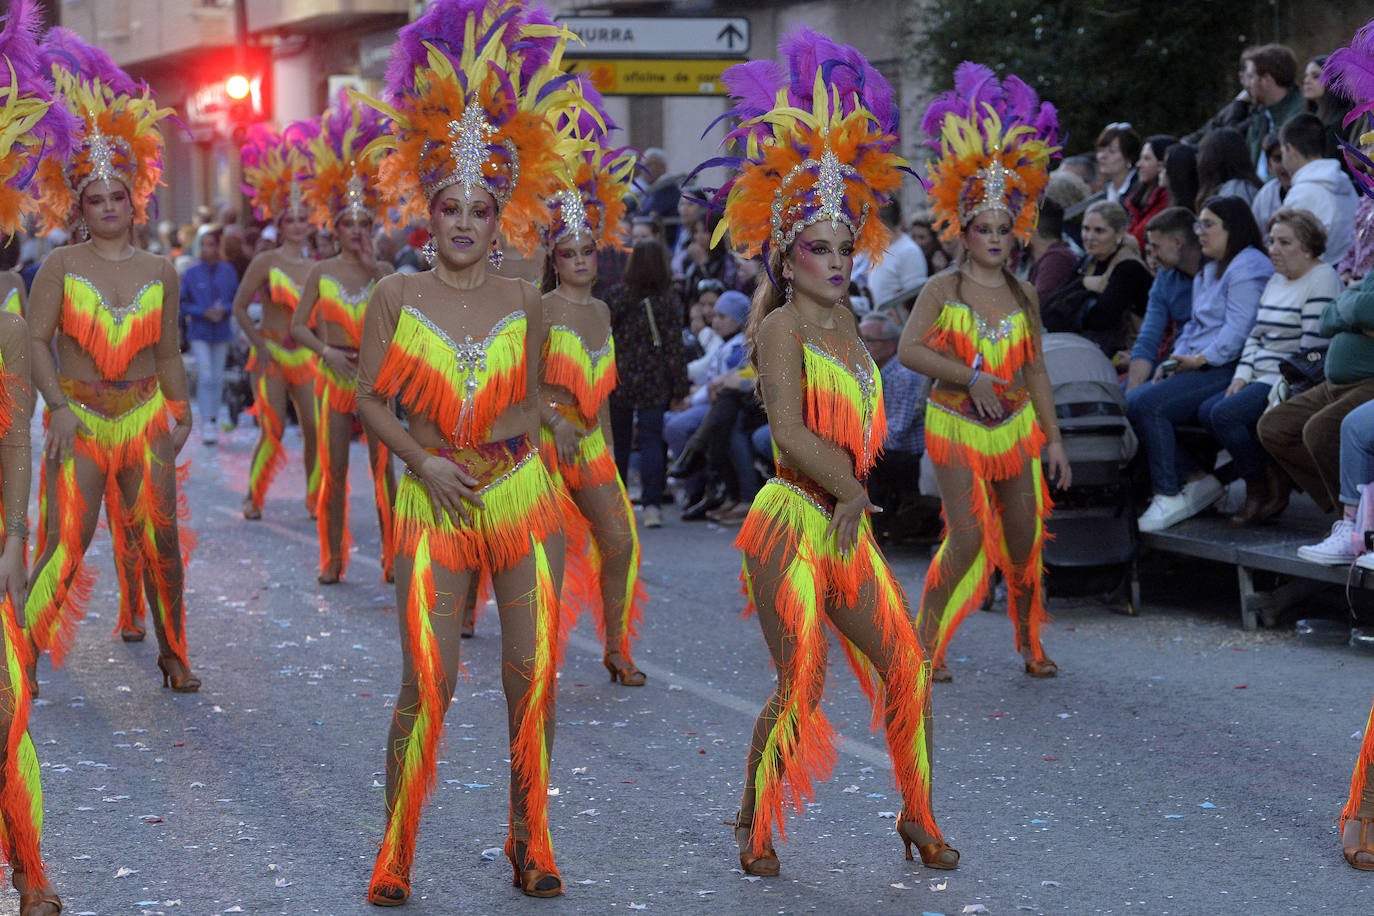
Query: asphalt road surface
1177	766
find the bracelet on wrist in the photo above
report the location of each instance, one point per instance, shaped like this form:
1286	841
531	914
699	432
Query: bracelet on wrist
974	377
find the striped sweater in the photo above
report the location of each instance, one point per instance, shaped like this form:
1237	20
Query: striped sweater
1289	320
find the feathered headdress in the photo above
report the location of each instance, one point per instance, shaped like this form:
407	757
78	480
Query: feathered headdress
275	168
994	141
816	142
120	139
33	126
470	87
343	180
596	179
1350	71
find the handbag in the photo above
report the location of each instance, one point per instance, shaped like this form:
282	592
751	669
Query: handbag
1304	369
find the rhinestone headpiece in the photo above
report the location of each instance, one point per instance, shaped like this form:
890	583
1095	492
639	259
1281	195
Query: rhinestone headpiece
814	192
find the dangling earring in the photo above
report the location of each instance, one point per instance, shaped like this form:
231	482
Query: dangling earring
83	232
428	252
786	291
496	256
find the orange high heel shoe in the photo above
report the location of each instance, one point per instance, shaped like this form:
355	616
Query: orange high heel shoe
35	901
625	672
934	854
387	892
533	882
1363	846
765	865
177	674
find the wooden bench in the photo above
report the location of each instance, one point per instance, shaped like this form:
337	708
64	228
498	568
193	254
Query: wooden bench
1270	548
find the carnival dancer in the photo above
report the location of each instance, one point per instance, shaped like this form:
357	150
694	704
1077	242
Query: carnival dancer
1348	70
118	376
975	330
328	321
579	375
473	150
274	172
818	142
32	125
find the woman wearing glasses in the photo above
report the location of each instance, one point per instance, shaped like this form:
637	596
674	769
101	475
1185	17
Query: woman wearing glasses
1226	297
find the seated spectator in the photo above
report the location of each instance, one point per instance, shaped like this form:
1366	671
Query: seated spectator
1226	295
1054	260
1356	469
703	338
1269	73
724	371
1118	148
707	262
1110	285
922	232
1068	190
1084	165
1288	321
1151	194
904	395
1319	185
1180	176
1224	168
901	270
1172	244
1303	433
1269	198
1328	105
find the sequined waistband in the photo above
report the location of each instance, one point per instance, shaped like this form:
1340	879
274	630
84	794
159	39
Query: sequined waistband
490	462
957	401
806	488
109	399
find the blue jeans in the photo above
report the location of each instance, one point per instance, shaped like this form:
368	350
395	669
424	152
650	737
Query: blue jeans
1155	408
1231	421
210	360
653	467
1357	452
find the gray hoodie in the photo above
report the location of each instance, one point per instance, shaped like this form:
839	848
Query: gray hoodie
1323	189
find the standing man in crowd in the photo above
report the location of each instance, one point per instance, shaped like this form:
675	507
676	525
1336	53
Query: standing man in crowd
207	292
1269	73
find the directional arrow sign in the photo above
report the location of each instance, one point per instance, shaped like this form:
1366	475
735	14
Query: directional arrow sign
668	37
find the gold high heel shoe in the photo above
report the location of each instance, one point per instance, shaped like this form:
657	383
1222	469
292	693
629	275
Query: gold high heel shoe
1042	667
532	881
1362	845
934	854
765	865
625	672
177	674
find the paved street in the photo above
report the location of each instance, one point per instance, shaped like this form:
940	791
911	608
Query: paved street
1178	765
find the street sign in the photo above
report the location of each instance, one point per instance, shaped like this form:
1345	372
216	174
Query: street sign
617	76
682	36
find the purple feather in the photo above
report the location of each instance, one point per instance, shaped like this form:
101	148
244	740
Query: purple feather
1350	72
754	86
58	129
19	38
64	48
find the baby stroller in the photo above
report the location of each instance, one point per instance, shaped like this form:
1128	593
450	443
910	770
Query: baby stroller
1093	523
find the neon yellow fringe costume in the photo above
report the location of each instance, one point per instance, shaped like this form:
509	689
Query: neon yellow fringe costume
786	528
346	311
425	368
12	303
21	794
590	375
295	365
993	449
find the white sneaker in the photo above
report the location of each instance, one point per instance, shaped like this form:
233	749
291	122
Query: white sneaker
1202	493
1165	512
1336	549
653	517
1365	561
